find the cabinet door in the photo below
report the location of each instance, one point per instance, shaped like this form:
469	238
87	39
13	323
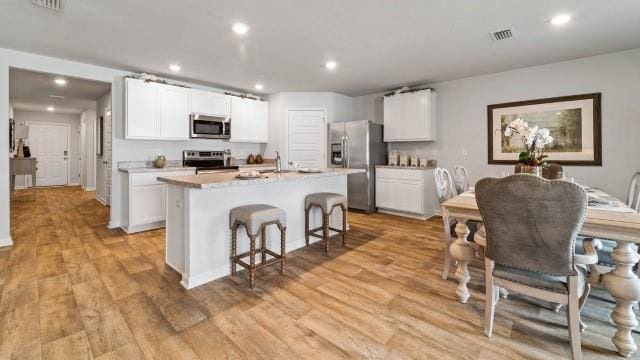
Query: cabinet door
409	196
141	110
386	193
241	113
174	112
209	103
148	204
261	122
415	105
394	115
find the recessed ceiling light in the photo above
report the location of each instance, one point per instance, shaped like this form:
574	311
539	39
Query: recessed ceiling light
240	28
60	81
50	108
174	67
56	96
560	20
331	65
259	87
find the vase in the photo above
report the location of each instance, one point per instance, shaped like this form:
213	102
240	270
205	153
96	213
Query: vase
528	169
159	162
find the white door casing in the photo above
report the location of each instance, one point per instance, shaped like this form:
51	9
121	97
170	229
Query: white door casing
49	143
106	156
307	137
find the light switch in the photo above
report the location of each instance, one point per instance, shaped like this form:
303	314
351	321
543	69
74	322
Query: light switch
179	204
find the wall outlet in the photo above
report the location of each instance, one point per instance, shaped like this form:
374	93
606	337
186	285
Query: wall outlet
179	204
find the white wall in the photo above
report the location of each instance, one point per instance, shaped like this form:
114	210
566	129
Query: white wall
338	107
73	120
462	114
89	152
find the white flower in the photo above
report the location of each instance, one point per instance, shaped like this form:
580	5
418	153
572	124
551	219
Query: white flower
508	131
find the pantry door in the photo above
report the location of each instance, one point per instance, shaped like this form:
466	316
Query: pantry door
49	143
307	143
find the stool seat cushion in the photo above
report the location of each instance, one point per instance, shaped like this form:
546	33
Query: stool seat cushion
253	216
325	200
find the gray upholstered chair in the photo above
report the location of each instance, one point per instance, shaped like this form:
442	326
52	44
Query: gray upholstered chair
530	228
445	190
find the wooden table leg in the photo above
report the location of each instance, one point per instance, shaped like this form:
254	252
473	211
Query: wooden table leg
463	253
623	284
447	254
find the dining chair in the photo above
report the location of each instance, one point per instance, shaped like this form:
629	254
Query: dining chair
605	247
445	190
461	178
530	226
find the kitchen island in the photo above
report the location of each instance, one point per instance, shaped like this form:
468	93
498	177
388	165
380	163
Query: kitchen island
198	238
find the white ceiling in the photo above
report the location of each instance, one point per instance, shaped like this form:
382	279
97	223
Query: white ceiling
29	90
378	44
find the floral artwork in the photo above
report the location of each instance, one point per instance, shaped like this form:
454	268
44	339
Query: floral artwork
564	130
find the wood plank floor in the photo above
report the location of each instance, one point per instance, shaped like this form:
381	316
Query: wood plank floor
71	289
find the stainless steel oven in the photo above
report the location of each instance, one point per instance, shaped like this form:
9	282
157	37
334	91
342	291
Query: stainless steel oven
209	127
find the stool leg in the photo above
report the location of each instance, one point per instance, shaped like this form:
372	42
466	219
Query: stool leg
234	248
306	225
263	242
344	222
252	261
325	231
283	239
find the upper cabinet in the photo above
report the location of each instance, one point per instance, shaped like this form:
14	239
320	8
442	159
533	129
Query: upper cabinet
156	111
210	103
249	120
410	116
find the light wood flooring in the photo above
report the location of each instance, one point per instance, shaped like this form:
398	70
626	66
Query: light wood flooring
71	289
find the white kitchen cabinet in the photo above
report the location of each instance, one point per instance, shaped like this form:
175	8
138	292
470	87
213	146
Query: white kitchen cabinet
249	120
410	116
156	111
147	205
174	112
406	192
141	110
210	103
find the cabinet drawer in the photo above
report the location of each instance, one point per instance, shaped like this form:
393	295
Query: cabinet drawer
151	178
399	174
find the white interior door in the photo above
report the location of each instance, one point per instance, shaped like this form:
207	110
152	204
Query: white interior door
307	146
49	143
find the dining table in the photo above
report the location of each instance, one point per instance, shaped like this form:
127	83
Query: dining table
610	219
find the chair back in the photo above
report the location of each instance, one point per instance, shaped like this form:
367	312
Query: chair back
633	195
532	223
444	185
461	178
552	171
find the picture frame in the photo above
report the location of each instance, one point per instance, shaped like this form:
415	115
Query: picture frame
574	122
99	135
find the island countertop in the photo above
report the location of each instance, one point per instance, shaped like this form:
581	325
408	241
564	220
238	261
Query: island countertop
225	179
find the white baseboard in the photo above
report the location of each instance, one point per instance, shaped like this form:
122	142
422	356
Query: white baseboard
6	242
101	200
145	227
21	187
114	224
73	184
89	189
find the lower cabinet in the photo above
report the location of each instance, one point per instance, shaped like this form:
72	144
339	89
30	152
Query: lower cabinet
410	191
148	200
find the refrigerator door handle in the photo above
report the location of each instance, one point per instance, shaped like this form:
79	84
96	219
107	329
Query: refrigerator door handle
347	154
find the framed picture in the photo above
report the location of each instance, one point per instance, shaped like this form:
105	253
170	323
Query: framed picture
99	136
573	121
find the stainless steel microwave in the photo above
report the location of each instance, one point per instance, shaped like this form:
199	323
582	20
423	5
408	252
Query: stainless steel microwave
209	127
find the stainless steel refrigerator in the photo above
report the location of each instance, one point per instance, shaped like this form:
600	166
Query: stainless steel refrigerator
358	145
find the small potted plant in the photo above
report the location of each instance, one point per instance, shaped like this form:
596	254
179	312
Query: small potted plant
535	141
160	161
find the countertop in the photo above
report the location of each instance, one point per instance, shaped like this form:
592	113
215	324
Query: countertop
405	167
219	180
133	170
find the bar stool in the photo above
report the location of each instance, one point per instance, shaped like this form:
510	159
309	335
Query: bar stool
326	202
255	219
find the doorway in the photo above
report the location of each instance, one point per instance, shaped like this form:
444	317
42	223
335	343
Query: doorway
307	138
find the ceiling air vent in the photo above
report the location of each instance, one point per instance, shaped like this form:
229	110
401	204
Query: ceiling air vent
501	34
49	4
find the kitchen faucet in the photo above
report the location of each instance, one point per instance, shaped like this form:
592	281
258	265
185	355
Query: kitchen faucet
278	162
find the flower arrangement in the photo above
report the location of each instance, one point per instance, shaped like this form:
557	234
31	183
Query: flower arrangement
534	140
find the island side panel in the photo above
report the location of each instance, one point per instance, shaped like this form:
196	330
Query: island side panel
175	229
207	233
